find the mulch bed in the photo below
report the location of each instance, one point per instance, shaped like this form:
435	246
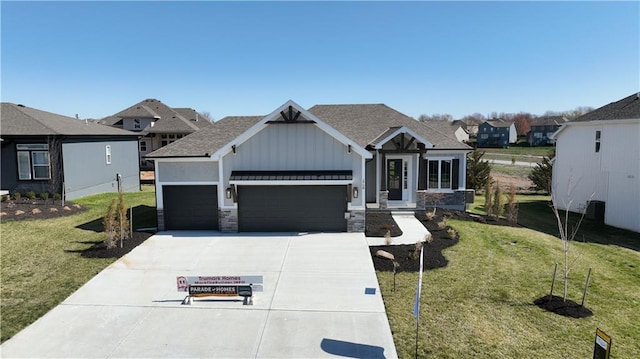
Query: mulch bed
100	250
27	209
377	225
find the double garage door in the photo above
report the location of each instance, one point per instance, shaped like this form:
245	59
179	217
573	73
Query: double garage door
292	208
260	208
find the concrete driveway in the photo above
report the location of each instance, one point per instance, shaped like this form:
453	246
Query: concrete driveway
313	304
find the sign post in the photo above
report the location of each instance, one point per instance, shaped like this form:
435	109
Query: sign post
602	347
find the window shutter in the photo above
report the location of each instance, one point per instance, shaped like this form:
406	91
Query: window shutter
455	174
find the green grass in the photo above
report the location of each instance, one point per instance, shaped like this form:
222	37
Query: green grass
520	150
480	305
511	170
41	263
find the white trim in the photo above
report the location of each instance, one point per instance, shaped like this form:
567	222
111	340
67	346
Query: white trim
273	116
182	159
192	183
594	123
403	129
292	183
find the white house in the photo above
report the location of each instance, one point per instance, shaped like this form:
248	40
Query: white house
598	161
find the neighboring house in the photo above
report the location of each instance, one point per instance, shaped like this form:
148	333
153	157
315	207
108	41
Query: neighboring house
158	125
597	164
41	151
543	128
471	125
306	170
497	133
454	129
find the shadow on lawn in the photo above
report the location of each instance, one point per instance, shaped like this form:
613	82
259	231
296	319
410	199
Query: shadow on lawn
538	215
143	216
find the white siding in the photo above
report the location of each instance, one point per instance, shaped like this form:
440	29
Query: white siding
187	171
612	174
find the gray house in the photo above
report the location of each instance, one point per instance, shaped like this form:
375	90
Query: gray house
543	128
41	151
497	133
306	170
157	124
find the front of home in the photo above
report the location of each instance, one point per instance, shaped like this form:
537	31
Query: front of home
47	152
542	130
306	170
597	164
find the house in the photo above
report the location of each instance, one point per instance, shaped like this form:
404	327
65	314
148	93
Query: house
454	129
597	164
497	133
543	128
157	123
42	151
470	124
306	170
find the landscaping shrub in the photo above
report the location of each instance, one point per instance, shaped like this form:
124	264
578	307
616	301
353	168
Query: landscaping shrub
512	205
5	198
31	195
542	172
488	197
498	201
57	196
44	195
109	223
16	195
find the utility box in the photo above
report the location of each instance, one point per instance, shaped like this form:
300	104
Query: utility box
595	210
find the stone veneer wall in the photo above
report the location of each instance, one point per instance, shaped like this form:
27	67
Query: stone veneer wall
160	218
384	199
228	220
356	221
455	200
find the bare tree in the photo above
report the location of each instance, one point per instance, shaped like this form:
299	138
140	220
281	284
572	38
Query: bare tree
206	115
567	235
435	117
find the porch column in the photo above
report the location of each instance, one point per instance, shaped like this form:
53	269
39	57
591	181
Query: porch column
383	172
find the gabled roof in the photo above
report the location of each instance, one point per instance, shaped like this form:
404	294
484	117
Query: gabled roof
549	121
498	122
167	119
365	125
21	120
625	109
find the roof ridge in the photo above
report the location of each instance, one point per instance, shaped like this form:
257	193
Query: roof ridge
35	119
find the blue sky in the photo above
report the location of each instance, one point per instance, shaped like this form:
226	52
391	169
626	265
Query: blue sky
247	58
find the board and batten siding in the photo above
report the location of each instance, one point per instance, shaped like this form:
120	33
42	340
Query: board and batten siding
184	171
87	172
293	147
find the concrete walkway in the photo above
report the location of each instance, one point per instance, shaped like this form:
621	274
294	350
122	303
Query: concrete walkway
321	299
412	230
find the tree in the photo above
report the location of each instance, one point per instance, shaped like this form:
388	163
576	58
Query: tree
488	197
206	115
542	173
523	123
435	117
478	171
55	164
498	201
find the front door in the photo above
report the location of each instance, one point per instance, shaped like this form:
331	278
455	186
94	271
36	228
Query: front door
394	179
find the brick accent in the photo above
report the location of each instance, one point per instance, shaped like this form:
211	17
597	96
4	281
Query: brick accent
454	201
160	219
384	199
420	200
228	220
356	220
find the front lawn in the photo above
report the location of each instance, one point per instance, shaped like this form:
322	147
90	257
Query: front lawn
481	304
42	261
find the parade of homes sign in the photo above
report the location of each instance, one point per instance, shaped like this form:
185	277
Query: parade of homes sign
184	282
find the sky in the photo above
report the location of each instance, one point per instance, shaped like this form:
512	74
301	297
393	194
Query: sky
95	59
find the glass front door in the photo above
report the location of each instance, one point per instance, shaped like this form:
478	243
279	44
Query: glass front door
395	179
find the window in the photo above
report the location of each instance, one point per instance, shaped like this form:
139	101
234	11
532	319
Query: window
143	146
598	134
33	162
537	135
164	143
172	136
439	174
136	124
163	135
107	150
484	136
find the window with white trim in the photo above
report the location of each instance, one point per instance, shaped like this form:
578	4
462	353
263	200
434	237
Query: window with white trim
107	150
143	146
33	162
439	174
136	124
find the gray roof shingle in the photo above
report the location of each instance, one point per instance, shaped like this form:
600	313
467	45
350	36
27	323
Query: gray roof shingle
624	109
549	121
363	124
498	122
21	120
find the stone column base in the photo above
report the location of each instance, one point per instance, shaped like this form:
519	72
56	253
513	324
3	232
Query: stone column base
228	220
384	199
356	221
160	219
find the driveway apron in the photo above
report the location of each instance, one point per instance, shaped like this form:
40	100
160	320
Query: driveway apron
320	299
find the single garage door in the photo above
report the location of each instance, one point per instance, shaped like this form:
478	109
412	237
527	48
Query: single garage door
292	208
190	207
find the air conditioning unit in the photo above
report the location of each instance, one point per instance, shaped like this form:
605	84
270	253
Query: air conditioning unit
595	210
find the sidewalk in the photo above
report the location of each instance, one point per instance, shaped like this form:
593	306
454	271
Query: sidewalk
412	230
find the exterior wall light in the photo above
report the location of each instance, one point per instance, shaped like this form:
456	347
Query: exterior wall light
233	149
355	192
349	148
228	192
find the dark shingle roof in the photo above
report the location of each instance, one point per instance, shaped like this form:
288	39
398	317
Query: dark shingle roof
168	120
549	121
209	140
22	120
498	122
625	109
363	124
